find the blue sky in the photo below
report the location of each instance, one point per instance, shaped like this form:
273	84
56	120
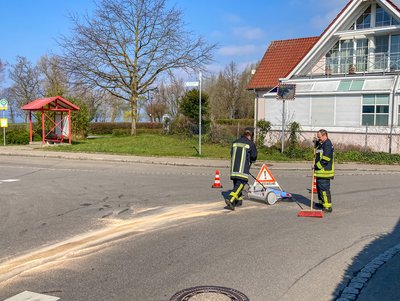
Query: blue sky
242	29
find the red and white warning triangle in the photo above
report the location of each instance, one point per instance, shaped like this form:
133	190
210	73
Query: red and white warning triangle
265	175
266	178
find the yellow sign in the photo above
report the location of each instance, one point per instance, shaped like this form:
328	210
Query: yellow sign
4	122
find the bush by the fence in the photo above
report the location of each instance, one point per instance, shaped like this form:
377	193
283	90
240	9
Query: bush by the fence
241	122
106	128
121	132
16	134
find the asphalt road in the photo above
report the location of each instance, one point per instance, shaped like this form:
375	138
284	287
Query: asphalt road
94	230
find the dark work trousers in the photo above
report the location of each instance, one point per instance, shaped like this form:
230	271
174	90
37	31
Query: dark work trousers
324	192
236	193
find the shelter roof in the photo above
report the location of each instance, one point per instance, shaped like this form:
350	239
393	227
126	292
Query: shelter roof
56	102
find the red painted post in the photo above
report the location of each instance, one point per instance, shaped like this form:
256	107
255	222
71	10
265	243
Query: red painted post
43	131
69	127
30	127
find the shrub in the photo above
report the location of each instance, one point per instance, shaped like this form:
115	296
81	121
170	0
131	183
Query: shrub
180	125
121	132
16	135
219	134
242	122
80	119
294	129
263	128
106	128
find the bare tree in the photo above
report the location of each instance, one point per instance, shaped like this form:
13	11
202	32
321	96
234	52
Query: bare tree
55	81
229	97
26	82
171	94
246	108
155	107
128	44
2	70
12	104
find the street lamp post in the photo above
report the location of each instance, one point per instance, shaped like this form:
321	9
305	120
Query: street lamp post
197	84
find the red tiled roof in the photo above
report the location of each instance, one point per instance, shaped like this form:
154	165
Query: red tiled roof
279	60
54	102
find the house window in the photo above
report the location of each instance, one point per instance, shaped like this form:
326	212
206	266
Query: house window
383	18
361	54
364	21
398	116
395	52
346	55
350	85
375	110
332	59
381	51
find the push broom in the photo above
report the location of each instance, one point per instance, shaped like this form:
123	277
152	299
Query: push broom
311	212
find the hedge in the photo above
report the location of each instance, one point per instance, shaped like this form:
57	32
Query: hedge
242	122
107	128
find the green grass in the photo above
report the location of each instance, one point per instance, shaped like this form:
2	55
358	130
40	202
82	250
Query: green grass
146	144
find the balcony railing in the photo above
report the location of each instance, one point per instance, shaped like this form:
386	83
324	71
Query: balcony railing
356	64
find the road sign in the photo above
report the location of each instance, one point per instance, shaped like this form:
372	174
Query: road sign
265	175
3	122
286	92
3	105
191	84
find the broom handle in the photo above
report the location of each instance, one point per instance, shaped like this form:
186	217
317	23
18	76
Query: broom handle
312	182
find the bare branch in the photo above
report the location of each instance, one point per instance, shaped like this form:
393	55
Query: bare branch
128	44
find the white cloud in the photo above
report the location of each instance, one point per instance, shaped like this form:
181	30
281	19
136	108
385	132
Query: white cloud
333	8
321	22
248	33
240	50
232	18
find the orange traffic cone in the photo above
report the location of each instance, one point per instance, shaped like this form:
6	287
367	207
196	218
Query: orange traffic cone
314	187
217	182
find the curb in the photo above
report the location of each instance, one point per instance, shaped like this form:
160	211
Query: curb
360	280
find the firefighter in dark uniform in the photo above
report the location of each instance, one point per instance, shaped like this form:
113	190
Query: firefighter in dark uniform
324	169
243	153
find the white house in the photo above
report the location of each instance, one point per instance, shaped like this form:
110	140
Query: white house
347	79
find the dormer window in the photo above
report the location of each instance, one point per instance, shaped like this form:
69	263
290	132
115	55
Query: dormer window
383	18
364	21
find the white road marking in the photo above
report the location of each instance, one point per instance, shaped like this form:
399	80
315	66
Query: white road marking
30	296
9	180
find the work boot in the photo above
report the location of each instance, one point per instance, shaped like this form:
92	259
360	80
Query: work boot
327	210
318	205
229	205
239	201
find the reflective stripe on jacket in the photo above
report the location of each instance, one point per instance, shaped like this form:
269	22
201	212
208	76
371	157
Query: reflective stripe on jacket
243	153
324	166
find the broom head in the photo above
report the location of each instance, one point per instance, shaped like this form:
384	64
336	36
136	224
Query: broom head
311	213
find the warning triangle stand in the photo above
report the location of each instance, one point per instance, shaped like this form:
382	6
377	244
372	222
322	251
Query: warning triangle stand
267	179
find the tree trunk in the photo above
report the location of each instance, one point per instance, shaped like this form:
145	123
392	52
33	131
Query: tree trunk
133	114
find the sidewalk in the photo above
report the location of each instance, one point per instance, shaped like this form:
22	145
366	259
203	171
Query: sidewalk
383	283
46	152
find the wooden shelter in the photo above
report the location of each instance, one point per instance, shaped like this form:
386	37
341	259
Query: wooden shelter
60	121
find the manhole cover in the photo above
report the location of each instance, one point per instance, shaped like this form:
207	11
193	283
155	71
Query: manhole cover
209	293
